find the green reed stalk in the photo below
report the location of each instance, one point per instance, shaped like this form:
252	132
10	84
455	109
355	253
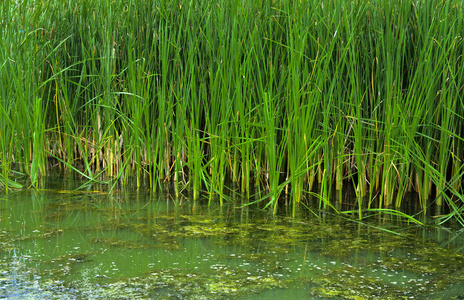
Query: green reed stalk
285	93
7	136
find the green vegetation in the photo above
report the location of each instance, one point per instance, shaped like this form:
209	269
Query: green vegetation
275	96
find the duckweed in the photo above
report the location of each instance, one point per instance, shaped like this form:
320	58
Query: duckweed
136	251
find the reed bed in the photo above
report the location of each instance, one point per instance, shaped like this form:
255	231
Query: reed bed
275	96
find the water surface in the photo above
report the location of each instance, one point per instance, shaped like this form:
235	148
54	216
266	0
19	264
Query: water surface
60	243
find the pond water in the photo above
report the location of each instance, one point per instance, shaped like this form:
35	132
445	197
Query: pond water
65	244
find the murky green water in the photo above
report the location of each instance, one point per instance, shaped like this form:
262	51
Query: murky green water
88	244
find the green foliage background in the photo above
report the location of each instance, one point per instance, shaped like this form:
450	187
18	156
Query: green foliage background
273	95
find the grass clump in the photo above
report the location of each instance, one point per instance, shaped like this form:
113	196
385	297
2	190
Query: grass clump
274	96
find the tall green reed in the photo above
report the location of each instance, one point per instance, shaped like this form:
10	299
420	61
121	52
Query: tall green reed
272	95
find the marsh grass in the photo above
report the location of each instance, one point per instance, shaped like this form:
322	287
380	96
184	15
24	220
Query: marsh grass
275	96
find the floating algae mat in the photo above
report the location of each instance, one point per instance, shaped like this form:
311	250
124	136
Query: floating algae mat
89	244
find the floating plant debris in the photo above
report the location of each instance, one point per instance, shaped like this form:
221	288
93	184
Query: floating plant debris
151	248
